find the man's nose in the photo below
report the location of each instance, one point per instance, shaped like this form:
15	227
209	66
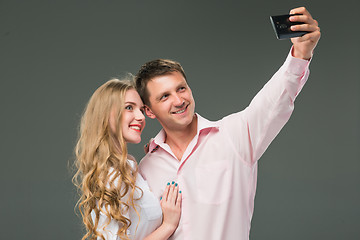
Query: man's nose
178	101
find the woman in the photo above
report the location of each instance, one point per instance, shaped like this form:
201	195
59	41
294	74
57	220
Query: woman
115	201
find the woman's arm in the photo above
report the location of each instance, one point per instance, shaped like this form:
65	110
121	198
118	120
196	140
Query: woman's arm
171	207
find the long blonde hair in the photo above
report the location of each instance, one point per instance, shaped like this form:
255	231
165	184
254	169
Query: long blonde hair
98	150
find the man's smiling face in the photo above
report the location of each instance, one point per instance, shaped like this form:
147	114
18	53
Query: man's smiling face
171	101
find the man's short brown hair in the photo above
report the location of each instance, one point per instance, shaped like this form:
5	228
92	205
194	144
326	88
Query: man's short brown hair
152	69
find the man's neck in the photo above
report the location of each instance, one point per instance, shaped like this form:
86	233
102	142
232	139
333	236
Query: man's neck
178	140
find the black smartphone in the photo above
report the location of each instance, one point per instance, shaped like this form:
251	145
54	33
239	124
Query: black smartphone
282	24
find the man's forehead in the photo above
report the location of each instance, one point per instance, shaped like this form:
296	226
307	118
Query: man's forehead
166	81
160	85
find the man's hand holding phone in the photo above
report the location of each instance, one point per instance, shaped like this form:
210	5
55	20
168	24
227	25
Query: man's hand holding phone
305	45
303	30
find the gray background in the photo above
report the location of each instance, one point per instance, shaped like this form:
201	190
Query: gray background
54	54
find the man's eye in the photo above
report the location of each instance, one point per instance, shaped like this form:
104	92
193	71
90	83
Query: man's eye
182	88
164	96
129	107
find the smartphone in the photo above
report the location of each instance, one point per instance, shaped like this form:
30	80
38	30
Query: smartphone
282	24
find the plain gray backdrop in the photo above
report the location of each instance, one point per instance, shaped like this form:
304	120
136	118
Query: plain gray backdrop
54	54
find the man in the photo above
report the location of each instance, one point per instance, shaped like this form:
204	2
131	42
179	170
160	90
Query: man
215	163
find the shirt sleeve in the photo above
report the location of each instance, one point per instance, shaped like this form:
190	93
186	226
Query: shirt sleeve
253	129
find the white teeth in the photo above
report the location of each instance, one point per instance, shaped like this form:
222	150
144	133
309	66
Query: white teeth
135	127
181	111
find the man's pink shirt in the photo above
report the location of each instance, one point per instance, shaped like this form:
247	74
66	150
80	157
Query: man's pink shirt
218	171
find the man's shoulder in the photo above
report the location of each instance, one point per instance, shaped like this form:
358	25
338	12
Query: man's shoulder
146	160
232	118
146	165
226	123
206	123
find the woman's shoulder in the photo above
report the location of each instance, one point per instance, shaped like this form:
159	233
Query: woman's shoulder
131	158
132	163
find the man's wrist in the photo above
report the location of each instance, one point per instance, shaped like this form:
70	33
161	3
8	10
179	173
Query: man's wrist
298	54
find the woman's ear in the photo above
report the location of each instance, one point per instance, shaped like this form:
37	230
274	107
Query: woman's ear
149	113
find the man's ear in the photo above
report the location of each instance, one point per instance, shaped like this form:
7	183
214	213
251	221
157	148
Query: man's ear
149	113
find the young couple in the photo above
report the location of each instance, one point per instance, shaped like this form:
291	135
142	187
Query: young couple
214	164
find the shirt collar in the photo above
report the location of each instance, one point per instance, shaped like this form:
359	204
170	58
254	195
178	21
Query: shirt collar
202	124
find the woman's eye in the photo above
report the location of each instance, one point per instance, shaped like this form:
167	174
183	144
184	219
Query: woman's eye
129	107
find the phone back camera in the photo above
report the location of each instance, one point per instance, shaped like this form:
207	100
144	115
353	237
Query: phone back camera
283	26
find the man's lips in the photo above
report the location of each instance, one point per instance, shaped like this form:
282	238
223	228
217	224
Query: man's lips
180	111
136	127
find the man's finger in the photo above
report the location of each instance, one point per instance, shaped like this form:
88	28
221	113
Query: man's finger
303	19
305	27
300	10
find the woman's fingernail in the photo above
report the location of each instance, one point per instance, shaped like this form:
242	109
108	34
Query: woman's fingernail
160	198
179	191
176	184
172	182
168	183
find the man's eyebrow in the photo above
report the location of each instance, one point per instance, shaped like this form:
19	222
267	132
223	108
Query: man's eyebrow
182	84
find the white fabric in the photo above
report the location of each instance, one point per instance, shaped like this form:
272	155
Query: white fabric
148	206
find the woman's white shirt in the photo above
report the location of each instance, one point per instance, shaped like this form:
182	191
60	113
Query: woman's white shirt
148	207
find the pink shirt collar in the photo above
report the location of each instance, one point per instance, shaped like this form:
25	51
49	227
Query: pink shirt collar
202	124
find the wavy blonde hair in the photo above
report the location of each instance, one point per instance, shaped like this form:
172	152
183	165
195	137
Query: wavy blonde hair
98	150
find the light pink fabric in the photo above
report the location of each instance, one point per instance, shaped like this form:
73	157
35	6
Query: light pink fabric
217	173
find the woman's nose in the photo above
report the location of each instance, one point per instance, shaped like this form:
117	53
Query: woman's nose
139	115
